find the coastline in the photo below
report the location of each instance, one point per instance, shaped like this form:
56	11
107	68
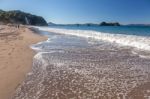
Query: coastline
75	67
15	56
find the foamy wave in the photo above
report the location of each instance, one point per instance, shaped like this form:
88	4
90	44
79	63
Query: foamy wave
40	60
125	40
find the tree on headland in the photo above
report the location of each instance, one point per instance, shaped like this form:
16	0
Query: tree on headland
19	17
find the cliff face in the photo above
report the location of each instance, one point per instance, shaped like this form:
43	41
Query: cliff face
19	17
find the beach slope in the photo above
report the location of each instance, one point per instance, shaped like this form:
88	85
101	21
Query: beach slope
15	57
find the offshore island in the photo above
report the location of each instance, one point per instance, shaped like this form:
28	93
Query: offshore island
72	61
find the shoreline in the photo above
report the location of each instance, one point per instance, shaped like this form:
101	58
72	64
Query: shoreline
16	56
76	67
134	41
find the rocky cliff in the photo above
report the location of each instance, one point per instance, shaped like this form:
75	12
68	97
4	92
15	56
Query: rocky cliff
19	17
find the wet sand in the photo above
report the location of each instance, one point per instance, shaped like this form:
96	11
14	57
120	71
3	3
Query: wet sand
71	67
15	57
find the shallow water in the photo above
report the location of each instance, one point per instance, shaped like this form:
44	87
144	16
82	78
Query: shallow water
124	39
71	67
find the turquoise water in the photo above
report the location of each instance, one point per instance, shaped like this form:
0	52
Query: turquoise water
129	30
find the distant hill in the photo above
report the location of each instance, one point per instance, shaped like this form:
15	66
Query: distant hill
19	17
50	23
88	24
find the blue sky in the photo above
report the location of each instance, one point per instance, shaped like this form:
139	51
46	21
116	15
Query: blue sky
84	11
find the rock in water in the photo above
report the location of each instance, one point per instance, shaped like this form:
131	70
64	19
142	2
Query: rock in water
109	24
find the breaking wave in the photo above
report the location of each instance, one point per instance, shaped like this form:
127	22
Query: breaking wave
69	67
139	42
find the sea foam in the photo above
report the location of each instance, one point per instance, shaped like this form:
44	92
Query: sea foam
86	72
139	42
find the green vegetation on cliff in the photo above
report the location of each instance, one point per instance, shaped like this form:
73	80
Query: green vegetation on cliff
19	17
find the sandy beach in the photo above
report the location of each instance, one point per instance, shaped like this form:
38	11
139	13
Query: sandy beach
74	49
15	57
72	67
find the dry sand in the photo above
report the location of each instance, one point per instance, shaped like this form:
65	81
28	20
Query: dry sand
15	57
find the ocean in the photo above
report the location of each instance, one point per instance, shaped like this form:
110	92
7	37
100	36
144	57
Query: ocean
89	62
128	30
